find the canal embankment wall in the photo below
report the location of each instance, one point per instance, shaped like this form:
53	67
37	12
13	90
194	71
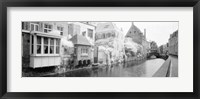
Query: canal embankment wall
164	70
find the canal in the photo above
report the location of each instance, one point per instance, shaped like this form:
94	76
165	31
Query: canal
144	68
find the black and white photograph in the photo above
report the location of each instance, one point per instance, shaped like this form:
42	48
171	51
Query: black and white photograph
99	48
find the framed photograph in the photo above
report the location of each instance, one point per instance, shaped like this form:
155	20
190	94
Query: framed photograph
91	49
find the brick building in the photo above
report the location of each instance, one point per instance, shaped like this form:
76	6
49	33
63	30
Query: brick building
138	37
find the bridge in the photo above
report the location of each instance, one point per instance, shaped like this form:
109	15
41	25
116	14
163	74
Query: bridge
157	55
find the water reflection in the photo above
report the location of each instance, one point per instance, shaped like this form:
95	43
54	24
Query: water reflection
129	69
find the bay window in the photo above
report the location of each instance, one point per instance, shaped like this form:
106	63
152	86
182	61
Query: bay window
32	44
51	46
39	45
45	45
57	46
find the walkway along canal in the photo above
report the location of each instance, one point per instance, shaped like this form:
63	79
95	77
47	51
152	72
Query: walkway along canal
145	68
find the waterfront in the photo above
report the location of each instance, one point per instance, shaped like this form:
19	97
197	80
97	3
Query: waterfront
99	49
129	69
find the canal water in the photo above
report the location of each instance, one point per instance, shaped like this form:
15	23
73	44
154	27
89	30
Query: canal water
129	69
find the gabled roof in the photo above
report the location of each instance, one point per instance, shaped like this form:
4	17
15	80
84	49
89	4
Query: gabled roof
105	27
79	39
132	29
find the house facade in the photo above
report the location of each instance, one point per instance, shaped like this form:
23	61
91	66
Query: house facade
136	36
82	50
173	43
85	29
110	41
41	43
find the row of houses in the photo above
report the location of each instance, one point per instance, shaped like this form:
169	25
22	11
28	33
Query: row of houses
47	44
171	47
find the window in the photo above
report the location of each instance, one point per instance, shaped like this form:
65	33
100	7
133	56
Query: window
90	33
45	45
75	49
51	46
24	25
83	33
39	45
60	29
84	51
103	36
32	44
47	28
57	46
34	27
113	34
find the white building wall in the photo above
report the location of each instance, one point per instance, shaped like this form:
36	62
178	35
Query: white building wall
84	28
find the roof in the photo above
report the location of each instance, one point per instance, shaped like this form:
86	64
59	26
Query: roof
132	29
108	26
79	39
52	34
66	43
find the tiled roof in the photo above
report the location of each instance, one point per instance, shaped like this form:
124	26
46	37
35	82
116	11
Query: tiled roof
79	39
132	29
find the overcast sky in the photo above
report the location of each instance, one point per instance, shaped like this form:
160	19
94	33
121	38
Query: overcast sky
155	31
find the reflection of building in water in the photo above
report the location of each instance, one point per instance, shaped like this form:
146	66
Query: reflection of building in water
110	41
173	43
41	43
